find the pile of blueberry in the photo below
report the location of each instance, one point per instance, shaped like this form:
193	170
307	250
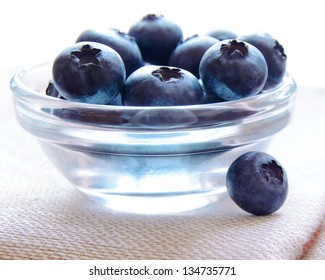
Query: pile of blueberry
153	66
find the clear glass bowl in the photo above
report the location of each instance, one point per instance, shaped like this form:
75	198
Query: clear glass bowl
148	159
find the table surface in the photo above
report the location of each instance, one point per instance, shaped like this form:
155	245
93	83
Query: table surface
43	217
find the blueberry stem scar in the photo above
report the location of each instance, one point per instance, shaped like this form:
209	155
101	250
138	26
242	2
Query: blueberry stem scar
87	55
233	47
280	49
166	74
272	169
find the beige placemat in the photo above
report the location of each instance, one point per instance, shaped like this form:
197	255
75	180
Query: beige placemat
43	217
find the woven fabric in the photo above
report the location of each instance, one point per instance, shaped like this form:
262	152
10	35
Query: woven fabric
43	217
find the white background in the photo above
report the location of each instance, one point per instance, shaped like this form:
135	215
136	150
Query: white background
35	31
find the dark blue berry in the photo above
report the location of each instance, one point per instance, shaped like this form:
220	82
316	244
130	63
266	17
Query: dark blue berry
52	91
274	55
233	69
89	72
124	44
156	37
188	54
222	34
257	183
161	86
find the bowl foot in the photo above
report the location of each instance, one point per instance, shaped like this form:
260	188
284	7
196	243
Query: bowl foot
166	203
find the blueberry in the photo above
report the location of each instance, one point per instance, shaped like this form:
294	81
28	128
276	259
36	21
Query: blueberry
233	69
89	72
274	55
52	91
222	34
257	183
124	44
188	54
161	86
156	37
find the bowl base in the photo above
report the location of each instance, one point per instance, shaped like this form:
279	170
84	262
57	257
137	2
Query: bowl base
157	204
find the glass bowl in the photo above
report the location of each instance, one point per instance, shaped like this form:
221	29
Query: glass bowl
148	159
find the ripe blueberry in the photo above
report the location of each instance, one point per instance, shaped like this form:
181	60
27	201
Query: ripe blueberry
161	86
188	54
124	44
89	72
233	69
257	183
156	37
274	55
52	91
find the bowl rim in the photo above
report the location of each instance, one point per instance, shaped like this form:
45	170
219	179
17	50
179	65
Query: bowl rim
133	130
21	90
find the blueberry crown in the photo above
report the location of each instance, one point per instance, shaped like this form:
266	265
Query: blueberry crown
233	47
166	74
272	170
87	55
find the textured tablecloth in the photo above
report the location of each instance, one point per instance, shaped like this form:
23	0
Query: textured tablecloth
43	217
